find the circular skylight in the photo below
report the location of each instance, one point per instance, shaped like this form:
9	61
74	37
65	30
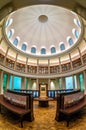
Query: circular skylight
43	29
43	18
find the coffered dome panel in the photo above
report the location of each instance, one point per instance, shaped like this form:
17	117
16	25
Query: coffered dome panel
36	29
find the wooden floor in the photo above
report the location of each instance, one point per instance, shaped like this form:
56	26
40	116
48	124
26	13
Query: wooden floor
44	120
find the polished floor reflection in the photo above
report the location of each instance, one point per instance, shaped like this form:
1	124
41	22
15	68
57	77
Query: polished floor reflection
44	120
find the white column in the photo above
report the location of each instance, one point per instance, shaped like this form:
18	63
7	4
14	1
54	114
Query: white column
8	81
60	65
1	82
78	83
6	55
15	61
37	66
48	66
29	80
26	65
12	81
1	40
49	85
70	61
60	83
23	85
63	83
57	80
80	55
37	84
84	39
84	75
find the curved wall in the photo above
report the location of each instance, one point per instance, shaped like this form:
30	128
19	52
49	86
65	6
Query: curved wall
42	70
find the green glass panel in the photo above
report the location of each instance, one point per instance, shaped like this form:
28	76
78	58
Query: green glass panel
69	82
10	85
17	82
81	80
5	81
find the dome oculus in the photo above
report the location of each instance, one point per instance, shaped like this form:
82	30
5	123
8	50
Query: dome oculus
43	18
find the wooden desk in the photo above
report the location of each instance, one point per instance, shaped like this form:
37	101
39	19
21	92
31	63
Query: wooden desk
68	104
13	101
44	102
72	110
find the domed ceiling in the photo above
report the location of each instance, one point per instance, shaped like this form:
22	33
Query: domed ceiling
43	30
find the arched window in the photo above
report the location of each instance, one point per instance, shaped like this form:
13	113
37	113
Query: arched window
9	33
33	50
76	33
77	22
43	51
8	22
62	47
15	41
70	41
24	47
53	50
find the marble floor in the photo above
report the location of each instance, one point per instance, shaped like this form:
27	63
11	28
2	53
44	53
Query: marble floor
44	120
